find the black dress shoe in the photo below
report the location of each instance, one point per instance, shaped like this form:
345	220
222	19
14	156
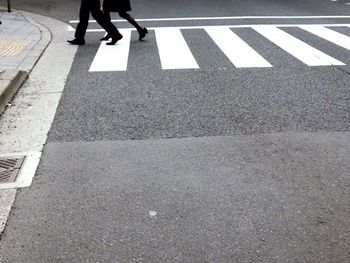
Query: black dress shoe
142	33
77	41
115	39
106	37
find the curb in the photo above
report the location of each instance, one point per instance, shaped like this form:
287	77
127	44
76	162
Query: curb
34	55
10	82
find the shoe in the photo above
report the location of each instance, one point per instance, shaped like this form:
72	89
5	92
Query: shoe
115	39
142	33
106	37
77	41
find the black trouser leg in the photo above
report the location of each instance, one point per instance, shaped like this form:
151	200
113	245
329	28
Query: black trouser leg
84	14
107	15
102	19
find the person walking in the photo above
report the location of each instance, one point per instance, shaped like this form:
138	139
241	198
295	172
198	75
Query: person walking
122	7
93	7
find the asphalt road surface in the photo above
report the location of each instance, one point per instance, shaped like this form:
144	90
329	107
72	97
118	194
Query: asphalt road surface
191	151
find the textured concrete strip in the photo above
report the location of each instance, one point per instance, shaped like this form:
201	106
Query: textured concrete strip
12	47
10	82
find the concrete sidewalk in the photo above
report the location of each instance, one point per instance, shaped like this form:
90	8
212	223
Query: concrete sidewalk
22	42
27	49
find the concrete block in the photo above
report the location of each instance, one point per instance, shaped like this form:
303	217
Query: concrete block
10	82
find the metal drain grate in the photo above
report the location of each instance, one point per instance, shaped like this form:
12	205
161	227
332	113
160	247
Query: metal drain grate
9	168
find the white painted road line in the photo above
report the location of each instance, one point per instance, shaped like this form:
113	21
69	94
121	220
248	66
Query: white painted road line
113	58
221	26
174	52
297	48
330	35
237	51
221	18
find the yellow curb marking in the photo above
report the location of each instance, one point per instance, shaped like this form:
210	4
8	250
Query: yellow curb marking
12	47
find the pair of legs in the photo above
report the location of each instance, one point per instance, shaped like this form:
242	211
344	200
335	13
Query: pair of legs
142	30
93	7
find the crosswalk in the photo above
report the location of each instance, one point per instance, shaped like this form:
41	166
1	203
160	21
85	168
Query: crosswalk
175	53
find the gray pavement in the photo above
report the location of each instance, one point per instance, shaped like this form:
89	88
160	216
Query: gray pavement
219	164
265	198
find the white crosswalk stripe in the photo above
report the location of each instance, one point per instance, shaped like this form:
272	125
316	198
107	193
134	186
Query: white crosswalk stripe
329	34
238	51
174	52
297	48
113	58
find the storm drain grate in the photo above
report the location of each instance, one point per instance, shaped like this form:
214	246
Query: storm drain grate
9	168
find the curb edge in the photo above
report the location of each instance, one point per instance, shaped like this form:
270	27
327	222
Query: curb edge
13	80
30	61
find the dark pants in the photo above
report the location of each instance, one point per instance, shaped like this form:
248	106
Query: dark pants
93	6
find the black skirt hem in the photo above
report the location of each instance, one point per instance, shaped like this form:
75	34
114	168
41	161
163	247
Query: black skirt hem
116	6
